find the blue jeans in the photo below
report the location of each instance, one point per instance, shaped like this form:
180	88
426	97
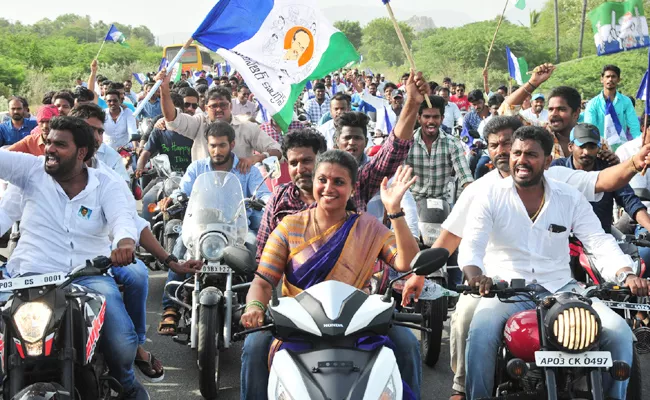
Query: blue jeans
486	331
255	371
119	341
135	278
644	252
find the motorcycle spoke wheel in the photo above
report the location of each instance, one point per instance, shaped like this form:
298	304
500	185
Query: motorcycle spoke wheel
210	325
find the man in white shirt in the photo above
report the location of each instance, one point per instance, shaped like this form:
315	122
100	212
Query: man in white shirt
499	133
386	117
69	212
338	105
520	230
119	124
241	105
452	117
536	114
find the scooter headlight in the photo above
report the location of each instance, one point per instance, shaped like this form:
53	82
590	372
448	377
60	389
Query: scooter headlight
31	319
212	246
390	391
281	393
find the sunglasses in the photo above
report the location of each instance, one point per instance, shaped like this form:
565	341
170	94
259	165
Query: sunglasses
222	105
193	105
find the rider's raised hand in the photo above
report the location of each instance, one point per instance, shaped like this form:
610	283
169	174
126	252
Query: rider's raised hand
164	203
252	318
417	87
392	196
541	74
638	286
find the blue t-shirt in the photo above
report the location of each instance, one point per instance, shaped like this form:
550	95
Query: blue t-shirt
177	147
10	135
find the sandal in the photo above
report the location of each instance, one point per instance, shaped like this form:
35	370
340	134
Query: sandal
456	395
168	322
152	368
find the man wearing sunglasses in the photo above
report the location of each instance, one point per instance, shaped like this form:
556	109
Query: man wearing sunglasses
248	136
165	141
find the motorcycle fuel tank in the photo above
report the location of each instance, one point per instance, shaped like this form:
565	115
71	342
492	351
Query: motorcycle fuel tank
521	335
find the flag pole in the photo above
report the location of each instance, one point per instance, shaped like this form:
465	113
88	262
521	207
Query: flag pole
643	138
100	48
409	56
156	86
487	59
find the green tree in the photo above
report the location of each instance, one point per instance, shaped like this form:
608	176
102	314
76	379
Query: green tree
380	41
352	30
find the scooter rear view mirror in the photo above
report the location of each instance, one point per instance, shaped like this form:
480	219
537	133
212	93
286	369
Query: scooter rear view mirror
429	261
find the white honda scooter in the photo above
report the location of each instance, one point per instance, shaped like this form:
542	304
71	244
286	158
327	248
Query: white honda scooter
329	319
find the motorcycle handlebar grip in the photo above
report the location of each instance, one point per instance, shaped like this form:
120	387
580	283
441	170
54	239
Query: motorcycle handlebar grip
404	317
642	243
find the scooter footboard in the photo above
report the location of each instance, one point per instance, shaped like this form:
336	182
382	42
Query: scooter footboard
334	373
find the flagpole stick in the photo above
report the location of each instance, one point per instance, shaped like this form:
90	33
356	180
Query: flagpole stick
409	56
487	59
156	86
645	130
100	49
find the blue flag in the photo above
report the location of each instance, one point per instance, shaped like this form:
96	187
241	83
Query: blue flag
163	64
389	126
466	138
228	69
114	35
265	114
139	77
613	128
219	73
644	89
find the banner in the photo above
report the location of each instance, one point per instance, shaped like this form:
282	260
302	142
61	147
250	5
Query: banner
619	27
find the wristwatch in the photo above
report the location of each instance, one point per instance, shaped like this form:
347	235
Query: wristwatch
170	259
622	277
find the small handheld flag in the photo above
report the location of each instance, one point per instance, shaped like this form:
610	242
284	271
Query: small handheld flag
139	78
517	67
114	35
163	64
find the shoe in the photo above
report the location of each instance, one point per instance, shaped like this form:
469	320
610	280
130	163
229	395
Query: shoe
137	392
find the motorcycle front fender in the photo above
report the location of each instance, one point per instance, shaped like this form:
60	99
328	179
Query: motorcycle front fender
210	297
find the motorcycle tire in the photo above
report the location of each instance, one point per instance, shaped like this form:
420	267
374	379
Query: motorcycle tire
433	314
210	324
634	386
170	243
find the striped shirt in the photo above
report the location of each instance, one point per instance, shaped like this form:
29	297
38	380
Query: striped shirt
315	111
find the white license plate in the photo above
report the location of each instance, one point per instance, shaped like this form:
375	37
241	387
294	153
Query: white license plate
54	278
589	359
216	269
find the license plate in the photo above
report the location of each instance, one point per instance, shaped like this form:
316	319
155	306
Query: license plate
216	269
589	359
54	278
435	204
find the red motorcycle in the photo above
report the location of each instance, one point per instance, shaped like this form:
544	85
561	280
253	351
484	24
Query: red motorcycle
551	352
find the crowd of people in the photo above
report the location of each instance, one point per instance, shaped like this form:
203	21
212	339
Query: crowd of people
511	162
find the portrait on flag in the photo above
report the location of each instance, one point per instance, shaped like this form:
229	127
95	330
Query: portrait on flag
285	44
619	27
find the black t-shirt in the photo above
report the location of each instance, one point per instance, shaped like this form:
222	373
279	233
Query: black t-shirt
177	147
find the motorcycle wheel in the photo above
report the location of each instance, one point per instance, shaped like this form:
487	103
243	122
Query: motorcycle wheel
634	387
208	351
170	243
433	314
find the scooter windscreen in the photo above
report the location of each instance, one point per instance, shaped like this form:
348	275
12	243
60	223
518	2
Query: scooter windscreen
42	391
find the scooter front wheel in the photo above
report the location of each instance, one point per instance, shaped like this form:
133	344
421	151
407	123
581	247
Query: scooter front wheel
210	324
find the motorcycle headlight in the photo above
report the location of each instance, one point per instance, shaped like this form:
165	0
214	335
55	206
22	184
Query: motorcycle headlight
31	319
212	246
171	184
390	391
281	393
571	326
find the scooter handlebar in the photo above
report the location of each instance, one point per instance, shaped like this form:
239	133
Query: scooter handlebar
413	318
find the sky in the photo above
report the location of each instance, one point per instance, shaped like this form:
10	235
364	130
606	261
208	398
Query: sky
173	23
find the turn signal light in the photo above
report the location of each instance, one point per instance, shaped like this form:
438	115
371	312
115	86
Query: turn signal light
152	208
517	368
620	370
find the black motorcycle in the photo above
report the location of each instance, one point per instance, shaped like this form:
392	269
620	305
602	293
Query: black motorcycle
52	328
